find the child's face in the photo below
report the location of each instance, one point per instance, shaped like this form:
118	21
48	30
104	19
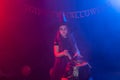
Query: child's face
63	30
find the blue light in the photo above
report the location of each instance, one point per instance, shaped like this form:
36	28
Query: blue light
64	17
115	4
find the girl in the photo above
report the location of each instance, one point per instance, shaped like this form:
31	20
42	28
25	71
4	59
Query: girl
65	49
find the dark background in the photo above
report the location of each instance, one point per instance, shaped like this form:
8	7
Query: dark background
27	39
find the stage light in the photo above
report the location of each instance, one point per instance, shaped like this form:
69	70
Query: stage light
115	4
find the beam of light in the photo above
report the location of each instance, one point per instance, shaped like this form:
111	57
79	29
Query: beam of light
64	17
115	4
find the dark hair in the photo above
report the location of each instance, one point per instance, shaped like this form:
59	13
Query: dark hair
58	33
70	36
62	23
66	24
59	40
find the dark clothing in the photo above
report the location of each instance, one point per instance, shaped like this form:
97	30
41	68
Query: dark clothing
61	62
63	67
65	44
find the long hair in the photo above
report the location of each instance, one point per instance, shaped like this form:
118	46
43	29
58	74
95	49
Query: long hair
70	37
58	35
